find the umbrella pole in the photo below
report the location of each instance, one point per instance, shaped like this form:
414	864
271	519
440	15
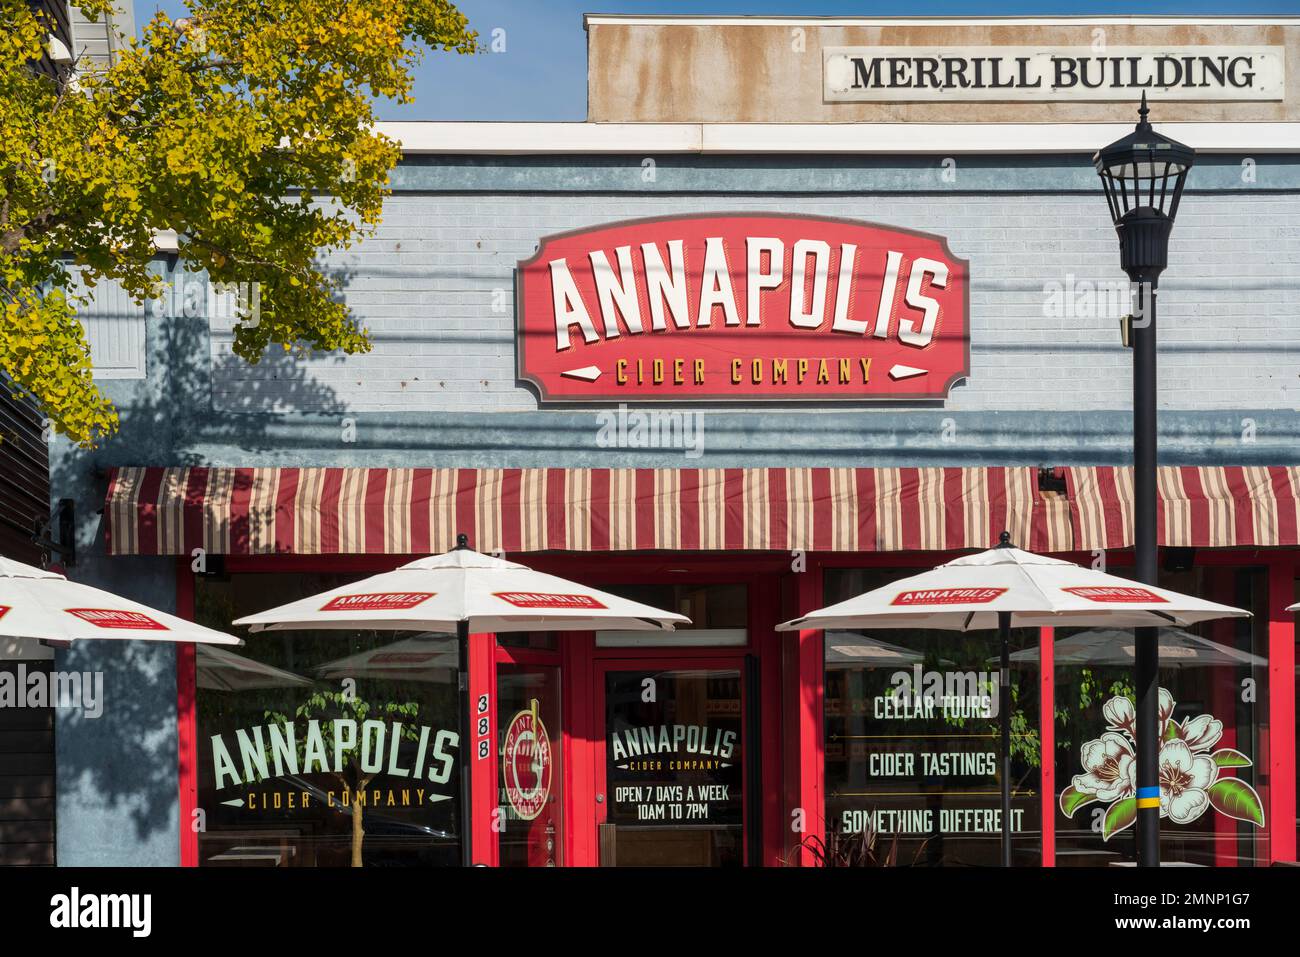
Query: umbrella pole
1004	713
467	735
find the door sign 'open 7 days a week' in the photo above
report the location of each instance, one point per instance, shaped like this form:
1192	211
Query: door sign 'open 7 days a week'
674	774
745	307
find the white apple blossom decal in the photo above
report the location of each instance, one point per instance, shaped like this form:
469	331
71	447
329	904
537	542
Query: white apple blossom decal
1191	773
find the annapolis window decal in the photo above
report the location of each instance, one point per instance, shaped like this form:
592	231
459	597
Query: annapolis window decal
330	747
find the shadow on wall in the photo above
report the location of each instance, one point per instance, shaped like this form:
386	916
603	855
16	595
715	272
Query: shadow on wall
116	772
117	786
280	383
170	417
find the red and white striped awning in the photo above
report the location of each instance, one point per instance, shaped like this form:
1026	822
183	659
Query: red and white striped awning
322	511
1202	507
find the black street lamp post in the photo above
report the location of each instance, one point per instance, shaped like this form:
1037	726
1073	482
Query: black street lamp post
1143	175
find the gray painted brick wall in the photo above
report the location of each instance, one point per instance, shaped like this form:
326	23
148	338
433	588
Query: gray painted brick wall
435	288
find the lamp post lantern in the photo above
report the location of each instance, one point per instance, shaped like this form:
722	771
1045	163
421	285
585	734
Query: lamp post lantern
1143	175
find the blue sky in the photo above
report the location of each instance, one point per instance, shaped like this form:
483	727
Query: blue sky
542	74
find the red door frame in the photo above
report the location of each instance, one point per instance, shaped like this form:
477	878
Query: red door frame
582	736
487	783
793	759
187	757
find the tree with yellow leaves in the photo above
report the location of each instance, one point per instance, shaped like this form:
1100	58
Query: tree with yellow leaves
247	128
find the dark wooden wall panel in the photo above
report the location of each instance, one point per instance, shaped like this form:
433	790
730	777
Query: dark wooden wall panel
26	779
58	18
24	477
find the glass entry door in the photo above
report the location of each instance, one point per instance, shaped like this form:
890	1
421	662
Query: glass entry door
671	787
530	772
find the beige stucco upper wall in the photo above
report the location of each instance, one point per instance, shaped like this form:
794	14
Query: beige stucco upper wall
727	71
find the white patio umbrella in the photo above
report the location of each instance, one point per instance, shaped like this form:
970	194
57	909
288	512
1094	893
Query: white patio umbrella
1114	646
847	649
464	587
1004	588
464	591
218	669
47	606
425	657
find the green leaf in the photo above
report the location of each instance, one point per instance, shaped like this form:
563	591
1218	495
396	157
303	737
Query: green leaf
1073	799
1173	732
1119	815
1236	799
1230	758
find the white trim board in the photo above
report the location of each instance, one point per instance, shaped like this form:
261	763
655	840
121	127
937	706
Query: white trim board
1263	20
660	139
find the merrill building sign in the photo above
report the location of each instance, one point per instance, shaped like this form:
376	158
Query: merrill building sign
1024	73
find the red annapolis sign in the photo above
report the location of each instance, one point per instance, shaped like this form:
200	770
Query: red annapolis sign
742	306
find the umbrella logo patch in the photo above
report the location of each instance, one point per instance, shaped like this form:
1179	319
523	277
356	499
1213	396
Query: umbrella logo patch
4	610
115	618
948	596
377	601
532	599
1114	593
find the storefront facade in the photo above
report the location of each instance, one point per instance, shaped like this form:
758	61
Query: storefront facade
737	348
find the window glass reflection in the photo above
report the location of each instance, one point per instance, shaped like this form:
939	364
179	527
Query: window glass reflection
913	739
323	748
1213	732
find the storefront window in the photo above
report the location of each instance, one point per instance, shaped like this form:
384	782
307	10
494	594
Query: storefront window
718	614
323	748
1214	733
530	640
912	742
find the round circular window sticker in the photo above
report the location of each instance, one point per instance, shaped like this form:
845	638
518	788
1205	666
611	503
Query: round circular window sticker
526	764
